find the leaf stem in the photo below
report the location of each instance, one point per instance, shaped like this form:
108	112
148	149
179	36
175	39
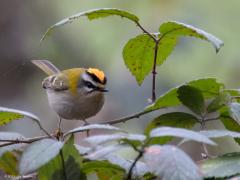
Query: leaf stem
129	176
156	40
205	155
145	31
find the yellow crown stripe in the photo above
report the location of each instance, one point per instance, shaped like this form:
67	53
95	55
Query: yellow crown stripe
99	74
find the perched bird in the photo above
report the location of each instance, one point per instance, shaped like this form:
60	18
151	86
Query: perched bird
74	94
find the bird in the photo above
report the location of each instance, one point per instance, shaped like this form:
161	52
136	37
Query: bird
74	94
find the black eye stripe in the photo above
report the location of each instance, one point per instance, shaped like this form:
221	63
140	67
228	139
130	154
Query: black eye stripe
89	85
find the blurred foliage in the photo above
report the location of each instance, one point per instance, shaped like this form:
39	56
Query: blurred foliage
100	43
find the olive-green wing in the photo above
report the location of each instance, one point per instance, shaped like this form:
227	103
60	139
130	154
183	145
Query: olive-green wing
57	82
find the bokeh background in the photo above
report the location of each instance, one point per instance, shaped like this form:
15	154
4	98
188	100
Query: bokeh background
99	43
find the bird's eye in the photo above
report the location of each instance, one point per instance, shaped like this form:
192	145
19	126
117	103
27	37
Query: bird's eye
89	85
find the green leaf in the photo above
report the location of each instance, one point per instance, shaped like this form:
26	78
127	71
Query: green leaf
232	92
221	167
166	100
149	176
174	28
7	117
174	119
72	164
170	163
8	163
138	55
218	102
104	170
4	136
166	45
91	127
229	122
192	98
182	133
93	14
37	154
209	87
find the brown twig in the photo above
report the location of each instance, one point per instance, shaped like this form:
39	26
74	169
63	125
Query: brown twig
154	72
17	141
127	118
205	155
145	31
41	127
130	172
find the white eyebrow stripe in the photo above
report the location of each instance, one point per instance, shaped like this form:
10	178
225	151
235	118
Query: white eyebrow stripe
86	77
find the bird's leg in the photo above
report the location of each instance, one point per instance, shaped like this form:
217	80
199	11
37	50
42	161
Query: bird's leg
85	124
59	131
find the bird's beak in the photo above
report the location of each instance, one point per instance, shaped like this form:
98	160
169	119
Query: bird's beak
103	90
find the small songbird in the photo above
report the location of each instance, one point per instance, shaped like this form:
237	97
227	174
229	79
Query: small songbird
74	94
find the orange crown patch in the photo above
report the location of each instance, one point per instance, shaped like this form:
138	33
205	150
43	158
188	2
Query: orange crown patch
99	74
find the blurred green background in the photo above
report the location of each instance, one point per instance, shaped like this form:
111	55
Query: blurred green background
99	43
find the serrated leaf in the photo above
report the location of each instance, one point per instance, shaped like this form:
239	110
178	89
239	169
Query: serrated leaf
93	126
72	163
170	163
218	102
221	167
180	29
101	139
182	133
229	122
93	14
174	119
138	56
10	136
220	133
209	87
103	169
8	163
235	111
192	98
37	154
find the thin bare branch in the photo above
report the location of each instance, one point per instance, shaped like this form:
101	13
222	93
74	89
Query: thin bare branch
44	130
154	72
17	141
129	176
145	31
127	118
